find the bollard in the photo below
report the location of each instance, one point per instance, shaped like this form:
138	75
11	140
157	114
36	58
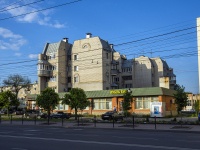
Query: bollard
95	121
62	121
35	120
155	122
133	122
113	121
78	120
22	119
11	119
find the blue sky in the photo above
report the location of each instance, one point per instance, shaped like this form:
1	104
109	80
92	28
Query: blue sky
154	28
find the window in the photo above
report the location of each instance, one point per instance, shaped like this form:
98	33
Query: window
76	79
69	57
102	104
127	77
107	55
75	57
51	56
75	68
52	79
144	102
69	79
128	85
116	79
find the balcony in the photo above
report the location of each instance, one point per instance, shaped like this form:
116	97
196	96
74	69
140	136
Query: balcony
114	72
172	82
43	73
114	62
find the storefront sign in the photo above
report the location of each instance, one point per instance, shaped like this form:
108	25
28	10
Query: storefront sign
118	91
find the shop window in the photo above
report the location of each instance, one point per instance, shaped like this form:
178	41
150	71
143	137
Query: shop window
102	104
144	102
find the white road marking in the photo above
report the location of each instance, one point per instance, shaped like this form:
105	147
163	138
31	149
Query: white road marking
32	130
122	137
101	143
19	149
188	141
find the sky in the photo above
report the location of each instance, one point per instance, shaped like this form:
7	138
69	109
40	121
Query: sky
153	28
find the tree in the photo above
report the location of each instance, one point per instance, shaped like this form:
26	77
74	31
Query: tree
17	82
76	99
7	100
126	104
48	100
180	97
196	107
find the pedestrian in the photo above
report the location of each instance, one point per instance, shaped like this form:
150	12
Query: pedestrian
115	109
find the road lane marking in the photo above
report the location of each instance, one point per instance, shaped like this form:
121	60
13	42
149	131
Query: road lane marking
188	141
19	149
135	138
100	143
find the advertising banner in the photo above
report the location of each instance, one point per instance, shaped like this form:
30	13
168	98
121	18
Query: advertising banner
157	109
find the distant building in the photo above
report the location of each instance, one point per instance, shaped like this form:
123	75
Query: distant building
93	64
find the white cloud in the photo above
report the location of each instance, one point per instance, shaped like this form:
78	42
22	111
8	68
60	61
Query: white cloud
41	18
18	54
9	40
33	56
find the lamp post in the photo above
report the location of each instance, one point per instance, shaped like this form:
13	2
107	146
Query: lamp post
8	106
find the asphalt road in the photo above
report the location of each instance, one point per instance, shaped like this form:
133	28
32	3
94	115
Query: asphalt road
14	137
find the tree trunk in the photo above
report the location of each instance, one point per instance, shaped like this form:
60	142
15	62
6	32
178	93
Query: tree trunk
75	113
48	112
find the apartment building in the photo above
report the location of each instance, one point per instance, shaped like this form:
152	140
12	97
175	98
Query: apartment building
93	64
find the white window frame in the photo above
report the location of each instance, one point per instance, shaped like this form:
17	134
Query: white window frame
75	68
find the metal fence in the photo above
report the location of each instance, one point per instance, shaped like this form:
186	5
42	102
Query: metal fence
95	122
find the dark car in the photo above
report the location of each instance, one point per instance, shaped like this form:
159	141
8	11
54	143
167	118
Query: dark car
43	115
36	114
32	114
110	115
60	115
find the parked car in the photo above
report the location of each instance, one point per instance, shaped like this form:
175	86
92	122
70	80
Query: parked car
110	115
60	115
199	116
32	114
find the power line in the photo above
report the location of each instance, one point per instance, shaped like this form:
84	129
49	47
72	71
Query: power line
164	34
11	4
41	10
21	5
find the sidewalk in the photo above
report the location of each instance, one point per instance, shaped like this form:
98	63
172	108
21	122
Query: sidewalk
110	125
157	127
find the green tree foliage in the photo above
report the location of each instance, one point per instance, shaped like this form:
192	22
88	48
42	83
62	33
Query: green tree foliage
48	100
180	97
7	100
196	107
76	99
126	104
17	82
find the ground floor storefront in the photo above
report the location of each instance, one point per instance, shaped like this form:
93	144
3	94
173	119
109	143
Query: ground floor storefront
154	101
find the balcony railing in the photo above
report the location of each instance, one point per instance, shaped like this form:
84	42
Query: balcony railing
172	81
45	73
114	72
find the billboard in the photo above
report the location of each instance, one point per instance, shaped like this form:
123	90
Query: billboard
157	109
